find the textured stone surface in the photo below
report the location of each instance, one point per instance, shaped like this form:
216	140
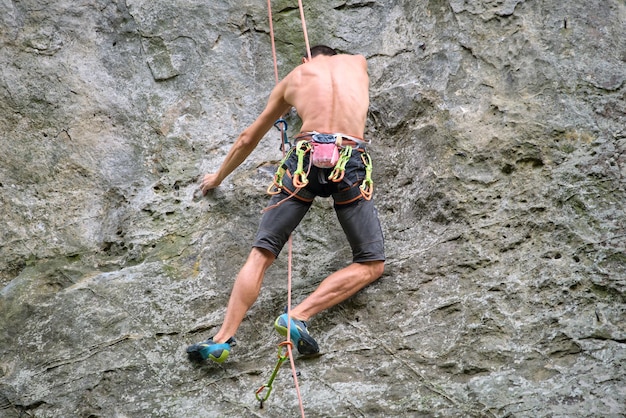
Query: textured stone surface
499	144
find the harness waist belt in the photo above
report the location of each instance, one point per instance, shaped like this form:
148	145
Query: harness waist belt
344	139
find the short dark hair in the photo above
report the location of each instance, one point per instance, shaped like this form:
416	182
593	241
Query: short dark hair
321	50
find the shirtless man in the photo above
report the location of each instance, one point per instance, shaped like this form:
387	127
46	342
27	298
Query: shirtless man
330	93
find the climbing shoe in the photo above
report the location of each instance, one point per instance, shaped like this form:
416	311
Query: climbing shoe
299	336
218	352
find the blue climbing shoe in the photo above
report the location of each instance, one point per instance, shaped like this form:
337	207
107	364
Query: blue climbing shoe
299	336
218	352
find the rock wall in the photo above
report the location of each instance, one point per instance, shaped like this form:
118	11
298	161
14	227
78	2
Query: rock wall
499	146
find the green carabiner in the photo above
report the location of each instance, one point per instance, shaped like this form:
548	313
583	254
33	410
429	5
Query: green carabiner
340	168
281	359
299	176
277	182
367	186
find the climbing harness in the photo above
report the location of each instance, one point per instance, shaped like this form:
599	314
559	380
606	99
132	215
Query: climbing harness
326	151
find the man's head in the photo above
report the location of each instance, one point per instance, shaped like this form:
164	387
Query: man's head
319	50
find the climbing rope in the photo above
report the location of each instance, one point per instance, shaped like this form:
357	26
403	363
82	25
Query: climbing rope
271	20
278	181
306	36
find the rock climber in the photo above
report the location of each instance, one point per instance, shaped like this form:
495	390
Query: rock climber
330	92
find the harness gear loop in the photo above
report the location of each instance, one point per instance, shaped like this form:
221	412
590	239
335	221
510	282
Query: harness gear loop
268	386
340	168
367	186
299	176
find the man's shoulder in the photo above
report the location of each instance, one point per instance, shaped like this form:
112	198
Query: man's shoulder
335	61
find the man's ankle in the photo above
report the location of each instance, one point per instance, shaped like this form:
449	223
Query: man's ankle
298	317
217	339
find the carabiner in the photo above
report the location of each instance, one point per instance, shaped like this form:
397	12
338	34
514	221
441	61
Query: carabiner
299	176
285	145
367	187
274	188
281	359
340	168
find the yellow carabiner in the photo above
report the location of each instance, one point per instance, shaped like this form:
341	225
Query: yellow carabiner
367	186
340	168
281	358
277	182
299	176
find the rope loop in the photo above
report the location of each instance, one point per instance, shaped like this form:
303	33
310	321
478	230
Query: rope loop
284	344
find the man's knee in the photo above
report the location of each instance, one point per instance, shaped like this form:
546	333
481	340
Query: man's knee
262	256
263	252
379	268
376	269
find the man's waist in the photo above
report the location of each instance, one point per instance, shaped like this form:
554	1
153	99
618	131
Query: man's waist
340	138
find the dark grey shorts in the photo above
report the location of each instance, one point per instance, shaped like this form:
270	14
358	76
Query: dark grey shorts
358	217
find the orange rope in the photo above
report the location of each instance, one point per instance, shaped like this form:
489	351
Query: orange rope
294	372
269	15
290	241
306	36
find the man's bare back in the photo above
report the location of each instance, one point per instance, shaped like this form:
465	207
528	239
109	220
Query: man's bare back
330	93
